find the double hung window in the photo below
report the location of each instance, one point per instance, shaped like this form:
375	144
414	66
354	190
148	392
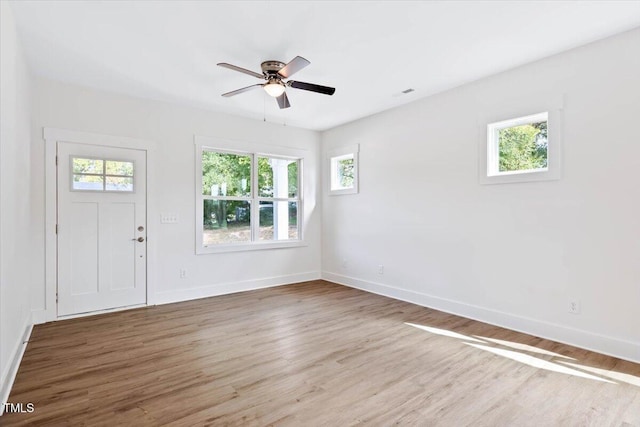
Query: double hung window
247	200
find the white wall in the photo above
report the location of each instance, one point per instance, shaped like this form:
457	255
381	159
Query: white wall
171	188
510	254
15	209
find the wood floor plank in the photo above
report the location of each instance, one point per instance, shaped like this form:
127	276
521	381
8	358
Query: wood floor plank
312	354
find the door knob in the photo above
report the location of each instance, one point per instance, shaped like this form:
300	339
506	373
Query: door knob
139	239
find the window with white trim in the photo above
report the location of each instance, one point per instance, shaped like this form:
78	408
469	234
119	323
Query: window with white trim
343	170
522	148
247	200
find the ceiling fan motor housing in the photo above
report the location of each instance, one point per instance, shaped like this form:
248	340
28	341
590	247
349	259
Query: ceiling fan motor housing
270	68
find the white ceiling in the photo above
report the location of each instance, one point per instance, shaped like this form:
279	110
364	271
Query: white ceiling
369	51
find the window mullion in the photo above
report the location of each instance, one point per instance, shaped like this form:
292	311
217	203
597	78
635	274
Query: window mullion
299	198
255	204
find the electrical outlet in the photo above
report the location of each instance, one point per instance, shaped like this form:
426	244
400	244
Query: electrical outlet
183	273
574	306
344	263
381	269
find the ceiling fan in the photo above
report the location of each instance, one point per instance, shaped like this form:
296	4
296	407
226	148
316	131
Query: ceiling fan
275	73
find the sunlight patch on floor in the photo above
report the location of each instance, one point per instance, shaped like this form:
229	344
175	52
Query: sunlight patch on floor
444	332
618	376
524	347
538	363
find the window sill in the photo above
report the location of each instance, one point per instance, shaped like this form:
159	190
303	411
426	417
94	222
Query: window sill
343	191
521	176
254	246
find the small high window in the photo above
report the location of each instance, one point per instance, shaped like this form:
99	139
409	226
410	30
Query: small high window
343	170
522	149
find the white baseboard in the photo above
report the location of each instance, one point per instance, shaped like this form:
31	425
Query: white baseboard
11	371
105	311
168	297
615	347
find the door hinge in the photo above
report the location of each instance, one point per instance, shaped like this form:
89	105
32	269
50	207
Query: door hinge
56	228
56	297
56	160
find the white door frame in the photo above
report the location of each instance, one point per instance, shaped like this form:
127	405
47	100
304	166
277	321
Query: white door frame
51	137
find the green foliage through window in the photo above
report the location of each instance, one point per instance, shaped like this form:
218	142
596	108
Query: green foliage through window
345	172
342	172
523	147
231	206
226	174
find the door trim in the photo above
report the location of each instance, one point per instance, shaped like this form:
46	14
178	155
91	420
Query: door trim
51	137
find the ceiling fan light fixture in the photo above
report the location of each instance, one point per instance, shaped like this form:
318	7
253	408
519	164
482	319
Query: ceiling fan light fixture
274	88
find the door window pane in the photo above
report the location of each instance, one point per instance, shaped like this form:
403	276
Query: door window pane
119	168
91	166
118	183
88	182
226	221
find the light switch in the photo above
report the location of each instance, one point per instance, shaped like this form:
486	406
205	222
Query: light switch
168	218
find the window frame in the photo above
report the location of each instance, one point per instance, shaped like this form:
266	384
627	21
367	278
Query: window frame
509	115
337	154
254	151
493	143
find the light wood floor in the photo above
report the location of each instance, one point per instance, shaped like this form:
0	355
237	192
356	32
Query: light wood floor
312	354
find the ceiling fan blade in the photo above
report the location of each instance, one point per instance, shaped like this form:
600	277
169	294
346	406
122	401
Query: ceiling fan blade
283	101
295	65
312	87
240	69
244	89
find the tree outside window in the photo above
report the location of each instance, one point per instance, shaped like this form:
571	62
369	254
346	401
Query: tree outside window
518	145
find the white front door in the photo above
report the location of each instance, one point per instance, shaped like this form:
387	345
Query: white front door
101	227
